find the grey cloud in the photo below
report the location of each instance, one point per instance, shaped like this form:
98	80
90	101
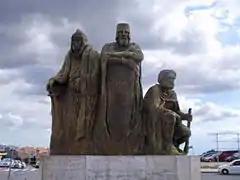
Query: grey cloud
6	77
191	44
39	124
37	76
11	40
96	16
142	24
10	121
15	15
13	10
16	62
24	117
44	101
207	114
99	19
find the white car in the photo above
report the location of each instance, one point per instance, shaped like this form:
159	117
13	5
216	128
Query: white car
230	168
18	164
6	162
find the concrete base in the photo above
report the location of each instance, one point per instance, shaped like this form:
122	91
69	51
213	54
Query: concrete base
120	168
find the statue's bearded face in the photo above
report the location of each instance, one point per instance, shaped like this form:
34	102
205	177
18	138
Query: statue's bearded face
168	81
76	44
123	37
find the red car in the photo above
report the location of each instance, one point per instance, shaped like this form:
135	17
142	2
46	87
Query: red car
224	154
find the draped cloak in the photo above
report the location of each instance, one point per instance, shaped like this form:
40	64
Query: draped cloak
74	103
118	130
156	119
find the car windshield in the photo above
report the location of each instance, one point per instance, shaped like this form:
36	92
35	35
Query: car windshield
208	155
236	155
233	162
7	160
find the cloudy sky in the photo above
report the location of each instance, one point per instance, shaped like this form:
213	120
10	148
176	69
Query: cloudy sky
198	38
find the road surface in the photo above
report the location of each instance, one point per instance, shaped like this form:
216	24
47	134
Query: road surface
27	173
214	176
33	174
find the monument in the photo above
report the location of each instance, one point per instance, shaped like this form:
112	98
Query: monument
103	128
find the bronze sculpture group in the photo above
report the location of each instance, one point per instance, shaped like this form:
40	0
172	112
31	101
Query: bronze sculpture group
98	106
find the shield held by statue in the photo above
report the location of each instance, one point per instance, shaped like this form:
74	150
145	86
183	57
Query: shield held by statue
120	101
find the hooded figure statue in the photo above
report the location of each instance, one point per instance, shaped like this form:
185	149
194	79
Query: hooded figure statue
74	93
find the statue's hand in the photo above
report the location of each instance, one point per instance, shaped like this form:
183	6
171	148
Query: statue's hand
109	56
126	54
188	117
177	116
129	54
50	84
119	54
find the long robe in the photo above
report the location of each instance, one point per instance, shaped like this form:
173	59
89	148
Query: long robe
74	106
118	130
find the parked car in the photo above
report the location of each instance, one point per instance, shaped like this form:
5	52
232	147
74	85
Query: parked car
18	164
223	155
209	153
233	157
210	158
230	168
6	162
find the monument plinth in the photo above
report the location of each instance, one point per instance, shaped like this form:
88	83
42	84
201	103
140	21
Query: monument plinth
120	168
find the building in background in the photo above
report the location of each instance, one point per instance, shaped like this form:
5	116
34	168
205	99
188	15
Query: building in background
27	154
31	155
8	151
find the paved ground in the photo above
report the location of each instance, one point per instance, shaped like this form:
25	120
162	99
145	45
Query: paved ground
27	169
28	173
215	176
33	174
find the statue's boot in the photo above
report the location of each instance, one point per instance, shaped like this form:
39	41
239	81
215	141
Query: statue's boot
179	149
173	151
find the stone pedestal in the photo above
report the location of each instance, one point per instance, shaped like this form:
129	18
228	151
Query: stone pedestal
120	168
